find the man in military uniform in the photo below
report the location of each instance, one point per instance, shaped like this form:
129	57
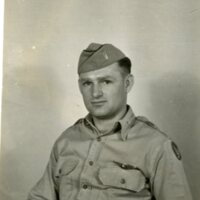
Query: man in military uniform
111	153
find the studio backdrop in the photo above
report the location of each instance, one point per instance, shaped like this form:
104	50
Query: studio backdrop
42	43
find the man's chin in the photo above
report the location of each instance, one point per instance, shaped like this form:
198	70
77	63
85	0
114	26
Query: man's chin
99	114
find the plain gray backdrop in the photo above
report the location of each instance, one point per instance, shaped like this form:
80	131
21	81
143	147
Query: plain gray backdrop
42	43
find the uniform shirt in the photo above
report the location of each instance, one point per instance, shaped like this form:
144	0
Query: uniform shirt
133	161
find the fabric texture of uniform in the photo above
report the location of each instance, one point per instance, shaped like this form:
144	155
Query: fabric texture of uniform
133	161
98	56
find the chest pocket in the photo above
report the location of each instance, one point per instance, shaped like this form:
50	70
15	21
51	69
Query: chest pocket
65	167
116	177
65	171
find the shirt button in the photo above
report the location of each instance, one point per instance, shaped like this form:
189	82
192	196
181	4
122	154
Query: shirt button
85	186
91	163
122	181
123	166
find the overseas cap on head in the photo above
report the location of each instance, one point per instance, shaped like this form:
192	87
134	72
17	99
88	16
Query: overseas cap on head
98	56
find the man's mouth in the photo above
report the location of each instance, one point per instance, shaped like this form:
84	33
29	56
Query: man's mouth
98	102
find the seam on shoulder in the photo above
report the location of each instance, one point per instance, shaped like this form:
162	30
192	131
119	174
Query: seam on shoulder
151	125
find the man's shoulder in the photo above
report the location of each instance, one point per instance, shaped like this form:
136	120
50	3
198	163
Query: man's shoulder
149	136
149	130
146	123
68	133
71	129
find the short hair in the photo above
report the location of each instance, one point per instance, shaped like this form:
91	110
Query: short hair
125	63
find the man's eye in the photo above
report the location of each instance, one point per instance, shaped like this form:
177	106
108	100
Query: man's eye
107	82
87	83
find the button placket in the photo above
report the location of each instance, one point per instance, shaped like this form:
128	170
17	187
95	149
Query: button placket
94	151
86	178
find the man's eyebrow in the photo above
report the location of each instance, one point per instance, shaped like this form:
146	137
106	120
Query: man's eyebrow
106	77
98	78
84	79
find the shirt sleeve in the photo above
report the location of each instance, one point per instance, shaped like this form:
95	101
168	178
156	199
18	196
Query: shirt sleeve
169	181
46	188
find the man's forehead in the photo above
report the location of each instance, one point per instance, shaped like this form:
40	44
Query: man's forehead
108	72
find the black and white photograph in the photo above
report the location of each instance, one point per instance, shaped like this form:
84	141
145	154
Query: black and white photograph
100	100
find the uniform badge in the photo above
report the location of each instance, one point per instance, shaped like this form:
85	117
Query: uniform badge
105	55
176	151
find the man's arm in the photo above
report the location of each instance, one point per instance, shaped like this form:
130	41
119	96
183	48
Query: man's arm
46	188
169	181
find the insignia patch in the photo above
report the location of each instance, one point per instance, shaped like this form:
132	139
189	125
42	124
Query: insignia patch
176	151
105	56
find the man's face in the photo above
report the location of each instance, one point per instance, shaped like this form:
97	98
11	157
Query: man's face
105	91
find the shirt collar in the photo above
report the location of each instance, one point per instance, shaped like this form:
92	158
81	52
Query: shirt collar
123	125
126	122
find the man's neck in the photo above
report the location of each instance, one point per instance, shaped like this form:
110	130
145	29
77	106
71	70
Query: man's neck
105	125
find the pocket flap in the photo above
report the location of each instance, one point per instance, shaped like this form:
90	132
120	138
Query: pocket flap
127	179
66	166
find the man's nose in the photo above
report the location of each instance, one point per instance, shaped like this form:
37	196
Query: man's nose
97	91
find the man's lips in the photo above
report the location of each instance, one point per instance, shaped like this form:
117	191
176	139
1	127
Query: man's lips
98	102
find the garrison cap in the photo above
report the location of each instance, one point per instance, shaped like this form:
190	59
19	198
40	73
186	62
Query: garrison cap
98	56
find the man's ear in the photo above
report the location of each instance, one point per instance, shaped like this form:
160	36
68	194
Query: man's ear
79	85
129	82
